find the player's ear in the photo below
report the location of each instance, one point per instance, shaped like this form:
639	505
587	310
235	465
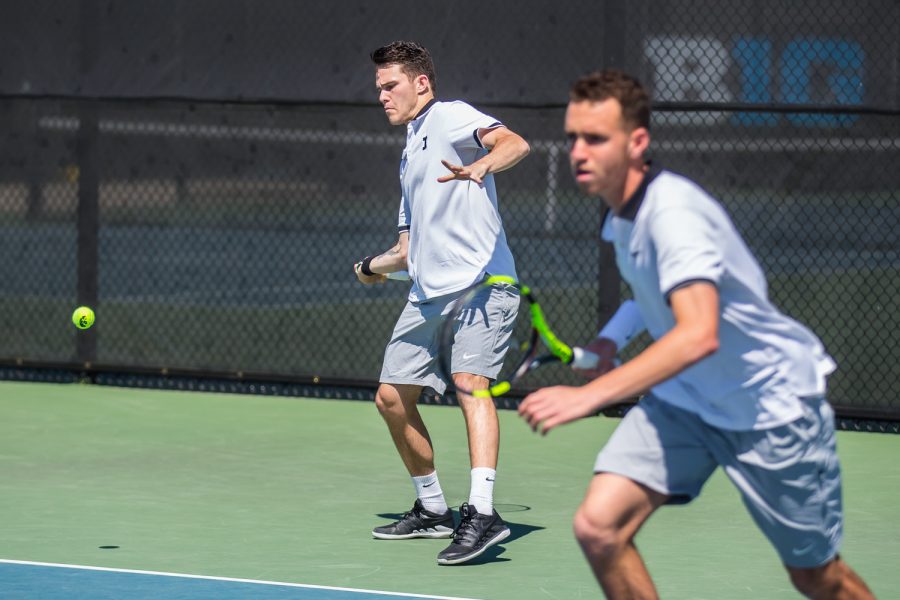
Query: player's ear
638	142
422	84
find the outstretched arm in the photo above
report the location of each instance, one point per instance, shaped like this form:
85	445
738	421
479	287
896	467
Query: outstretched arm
694	337
624	325
505	149
389	262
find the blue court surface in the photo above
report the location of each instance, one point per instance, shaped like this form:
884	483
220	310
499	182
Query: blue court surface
21	580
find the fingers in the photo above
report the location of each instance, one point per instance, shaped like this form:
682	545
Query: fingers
548	408
539	409
460	173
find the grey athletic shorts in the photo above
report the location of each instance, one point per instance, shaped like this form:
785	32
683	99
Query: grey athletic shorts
481	341
788	476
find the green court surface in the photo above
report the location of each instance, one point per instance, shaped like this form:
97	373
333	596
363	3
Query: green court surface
288	489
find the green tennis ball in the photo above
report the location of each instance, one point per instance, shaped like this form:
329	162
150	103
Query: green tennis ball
83	317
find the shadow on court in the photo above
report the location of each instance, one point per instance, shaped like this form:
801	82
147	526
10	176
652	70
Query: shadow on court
492	554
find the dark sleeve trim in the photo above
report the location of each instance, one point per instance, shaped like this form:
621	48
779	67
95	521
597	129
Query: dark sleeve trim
684	284
403	228
493	125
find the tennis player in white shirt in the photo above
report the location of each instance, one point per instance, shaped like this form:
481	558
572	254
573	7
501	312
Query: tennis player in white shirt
450	237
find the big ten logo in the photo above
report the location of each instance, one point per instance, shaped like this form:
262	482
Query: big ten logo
820	71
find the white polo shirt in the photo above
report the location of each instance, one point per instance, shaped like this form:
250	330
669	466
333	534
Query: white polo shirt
672	233
455	232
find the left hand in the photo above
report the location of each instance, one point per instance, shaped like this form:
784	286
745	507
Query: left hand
550	407
474	172
605	349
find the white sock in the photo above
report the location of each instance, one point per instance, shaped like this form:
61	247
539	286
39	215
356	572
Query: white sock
481	494
429	492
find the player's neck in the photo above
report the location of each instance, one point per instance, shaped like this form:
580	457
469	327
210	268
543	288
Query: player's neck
633	179
421	105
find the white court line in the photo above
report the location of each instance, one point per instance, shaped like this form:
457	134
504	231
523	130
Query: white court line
228	579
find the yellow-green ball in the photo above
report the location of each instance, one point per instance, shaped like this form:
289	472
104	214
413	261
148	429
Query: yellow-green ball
83	317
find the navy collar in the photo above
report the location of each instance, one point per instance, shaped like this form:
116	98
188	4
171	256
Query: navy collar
630	209
425	109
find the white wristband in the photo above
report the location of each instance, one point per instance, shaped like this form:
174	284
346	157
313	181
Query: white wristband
624	325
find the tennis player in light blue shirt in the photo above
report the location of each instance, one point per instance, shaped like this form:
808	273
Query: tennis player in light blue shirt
732	381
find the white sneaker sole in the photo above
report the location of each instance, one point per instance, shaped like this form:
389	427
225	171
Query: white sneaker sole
461	559
434	535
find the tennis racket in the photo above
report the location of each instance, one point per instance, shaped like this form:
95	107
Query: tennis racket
529	354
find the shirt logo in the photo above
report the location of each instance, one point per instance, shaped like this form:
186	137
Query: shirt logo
425	143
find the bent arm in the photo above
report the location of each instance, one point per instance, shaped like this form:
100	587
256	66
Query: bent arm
505	149
694	337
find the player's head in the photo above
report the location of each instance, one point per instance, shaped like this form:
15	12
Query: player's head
404	76
607	126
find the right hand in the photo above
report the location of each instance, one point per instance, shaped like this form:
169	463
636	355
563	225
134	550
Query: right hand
368	279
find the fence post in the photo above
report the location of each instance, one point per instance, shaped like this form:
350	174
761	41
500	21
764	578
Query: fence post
87	222
86	155
615	15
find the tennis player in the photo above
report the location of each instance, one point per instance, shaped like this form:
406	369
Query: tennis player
450	236
733	382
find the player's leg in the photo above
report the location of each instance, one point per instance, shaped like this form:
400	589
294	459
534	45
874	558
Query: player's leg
480	526
407	369
653	457
790	481
482	423
834	580
479	347
398	405
612	512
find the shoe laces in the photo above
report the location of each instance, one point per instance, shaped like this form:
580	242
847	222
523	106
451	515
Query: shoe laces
466	531
414	512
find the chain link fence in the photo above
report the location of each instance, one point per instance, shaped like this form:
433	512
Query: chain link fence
216	238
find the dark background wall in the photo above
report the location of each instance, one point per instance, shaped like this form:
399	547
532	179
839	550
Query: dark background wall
206	172
500	52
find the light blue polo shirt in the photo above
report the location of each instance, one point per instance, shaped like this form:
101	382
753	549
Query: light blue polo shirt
672	233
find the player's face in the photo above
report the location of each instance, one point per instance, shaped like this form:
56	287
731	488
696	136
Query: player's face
599	147
398	93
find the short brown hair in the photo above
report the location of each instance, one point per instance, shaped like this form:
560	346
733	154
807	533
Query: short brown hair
413	59
602	85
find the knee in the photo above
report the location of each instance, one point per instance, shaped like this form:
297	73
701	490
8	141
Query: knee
469	381
814	582
388	401
598	537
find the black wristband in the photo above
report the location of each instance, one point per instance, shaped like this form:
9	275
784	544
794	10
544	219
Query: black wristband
364	267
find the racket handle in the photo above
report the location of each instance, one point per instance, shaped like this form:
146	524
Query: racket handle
583	359
398	275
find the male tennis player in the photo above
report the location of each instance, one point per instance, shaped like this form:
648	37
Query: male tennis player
733	382
451	236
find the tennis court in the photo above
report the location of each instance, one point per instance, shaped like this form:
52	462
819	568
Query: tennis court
121	493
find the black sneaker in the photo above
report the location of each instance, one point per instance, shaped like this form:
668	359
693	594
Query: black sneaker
417	523
474	534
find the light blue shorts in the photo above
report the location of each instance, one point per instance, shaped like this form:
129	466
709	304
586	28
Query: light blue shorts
482	338
789	476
